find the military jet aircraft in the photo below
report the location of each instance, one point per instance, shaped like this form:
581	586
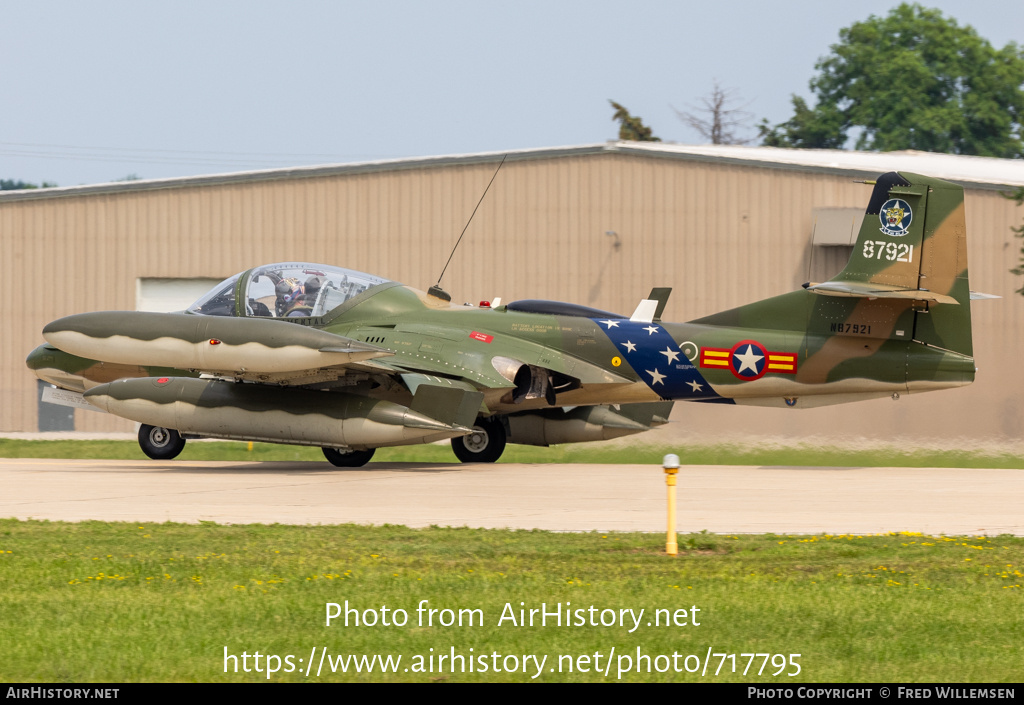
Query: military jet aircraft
317	355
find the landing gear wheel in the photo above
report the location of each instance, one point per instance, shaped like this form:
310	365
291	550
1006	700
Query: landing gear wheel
160	443
484	445
348	458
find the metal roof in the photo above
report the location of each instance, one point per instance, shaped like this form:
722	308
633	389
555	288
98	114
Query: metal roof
963	169
970	171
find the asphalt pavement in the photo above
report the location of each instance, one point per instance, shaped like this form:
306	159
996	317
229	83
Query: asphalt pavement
720	499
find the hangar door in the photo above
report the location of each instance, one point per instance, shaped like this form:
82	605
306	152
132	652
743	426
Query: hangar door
166	295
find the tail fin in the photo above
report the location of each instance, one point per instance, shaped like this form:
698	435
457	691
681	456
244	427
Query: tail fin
906	279
912	245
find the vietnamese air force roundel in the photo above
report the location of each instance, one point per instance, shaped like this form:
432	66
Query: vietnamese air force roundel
748	360
895	217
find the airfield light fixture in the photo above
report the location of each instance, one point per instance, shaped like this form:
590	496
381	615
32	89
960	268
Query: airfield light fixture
670	463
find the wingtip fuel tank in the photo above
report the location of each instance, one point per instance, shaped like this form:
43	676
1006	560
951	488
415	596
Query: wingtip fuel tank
186	341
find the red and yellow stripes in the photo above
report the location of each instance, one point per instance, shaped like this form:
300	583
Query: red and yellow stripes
784	363
715	357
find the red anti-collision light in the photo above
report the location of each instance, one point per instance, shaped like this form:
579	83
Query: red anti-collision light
163	380
485	304
214	341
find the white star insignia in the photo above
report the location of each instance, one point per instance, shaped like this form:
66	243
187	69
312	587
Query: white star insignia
611	324
630	347
656	376
697	387
748	360
670	354
651	330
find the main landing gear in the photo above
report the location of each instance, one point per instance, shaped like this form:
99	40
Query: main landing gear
160	443
348	458
484	445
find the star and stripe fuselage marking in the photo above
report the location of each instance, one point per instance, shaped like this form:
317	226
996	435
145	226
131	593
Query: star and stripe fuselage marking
748	360
656	358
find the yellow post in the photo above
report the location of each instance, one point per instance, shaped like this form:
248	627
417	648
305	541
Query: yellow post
671	465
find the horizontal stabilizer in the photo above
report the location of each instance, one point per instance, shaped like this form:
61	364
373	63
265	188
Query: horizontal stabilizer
878	291
977	296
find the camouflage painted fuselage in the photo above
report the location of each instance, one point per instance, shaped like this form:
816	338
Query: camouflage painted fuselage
895	320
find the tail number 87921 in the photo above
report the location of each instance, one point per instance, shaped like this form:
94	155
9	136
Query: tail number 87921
892	251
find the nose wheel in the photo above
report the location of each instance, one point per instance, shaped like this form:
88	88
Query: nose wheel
160	443
484	445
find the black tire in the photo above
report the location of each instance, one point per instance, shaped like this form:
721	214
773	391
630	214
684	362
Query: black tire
348	458
160	443
484	445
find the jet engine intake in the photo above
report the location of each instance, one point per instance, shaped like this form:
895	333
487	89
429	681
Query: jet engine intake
532	381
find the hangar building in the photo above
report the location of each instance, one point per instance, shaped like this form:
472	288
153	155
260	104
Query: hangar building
594	224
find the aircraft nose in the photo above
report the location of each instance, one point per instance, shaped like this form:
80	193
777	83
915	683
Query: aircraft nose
61	325
87	335
57	332
87	323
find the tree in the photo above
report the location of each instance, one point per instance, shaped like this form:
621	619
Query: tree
912	80
12	185
723	118
810	129
631	128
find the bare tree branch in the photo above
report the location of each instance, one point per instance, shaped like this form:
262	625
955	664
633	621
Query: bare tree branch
719	119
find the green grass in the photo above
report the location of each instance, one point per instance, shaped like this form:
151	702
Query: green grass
124	602
806	455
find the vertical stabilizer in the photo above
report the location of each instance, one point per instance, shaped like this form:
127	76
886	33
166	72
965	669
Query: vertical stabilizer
888	249
912	246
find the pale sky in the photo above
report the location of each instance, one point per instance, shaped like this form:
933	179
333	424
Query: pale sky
95	91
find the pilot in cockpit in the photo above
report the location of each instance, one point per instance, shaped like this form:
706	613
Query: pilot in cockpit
312	290
289	294
295	299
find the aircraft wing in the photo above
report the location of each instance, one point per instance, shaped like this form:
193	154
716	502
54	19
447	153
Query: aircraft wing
259	349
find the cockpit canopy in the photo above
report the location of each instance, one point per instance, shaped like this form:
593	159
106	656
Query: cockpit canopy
285	290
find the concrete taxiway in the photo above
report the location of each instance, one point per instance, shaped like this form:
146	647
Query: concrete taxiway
721	499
